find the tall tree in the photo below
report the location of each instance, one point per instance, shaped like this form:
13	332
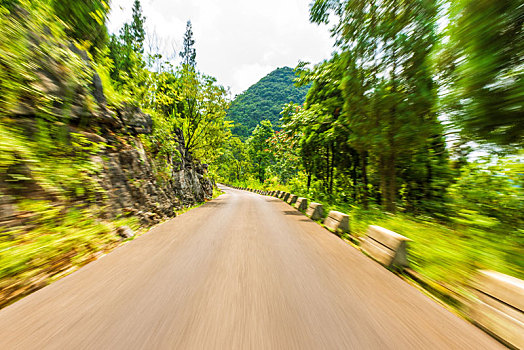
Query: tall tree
126	51
387	84
201	112
188	53
137	30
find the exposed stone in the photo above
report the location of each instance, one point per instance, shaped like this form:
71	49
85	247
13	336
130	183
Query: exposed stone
127	175
7	207
92	137
125	232
135	121
131	186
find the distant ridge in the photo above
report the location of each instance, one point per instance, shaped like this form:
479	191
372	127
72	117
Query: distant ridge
264	100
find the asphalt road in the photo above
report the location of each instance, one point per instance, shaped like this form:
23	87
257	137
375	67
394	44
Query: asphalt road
243	271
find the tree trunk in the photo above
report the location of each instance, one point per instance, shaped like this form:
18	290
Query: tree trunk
363	159
332	170
392	185
354	175
383	181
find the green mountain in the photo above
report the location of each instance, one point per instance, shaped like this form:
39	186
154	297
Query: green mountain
264	100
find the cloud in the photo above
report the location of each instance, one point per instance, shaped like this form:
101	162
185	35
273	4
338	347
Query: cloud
237	41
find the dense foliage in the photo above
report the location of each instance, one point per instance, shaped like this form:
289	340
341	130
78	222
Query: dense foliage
387	125
264	100
64	84
484	66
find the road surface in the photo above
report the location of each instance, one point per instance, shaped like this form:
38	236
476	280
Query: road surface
243	271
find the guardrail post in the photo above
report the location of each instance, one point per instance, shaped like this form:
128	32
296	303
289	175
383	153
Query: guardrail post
385	246
337	222
315	211
499	306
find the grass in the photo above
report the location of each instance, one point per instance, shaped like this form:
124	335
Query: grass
51	238
444	254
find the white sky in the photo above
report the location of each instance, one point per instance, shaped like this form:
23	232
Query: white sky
237	41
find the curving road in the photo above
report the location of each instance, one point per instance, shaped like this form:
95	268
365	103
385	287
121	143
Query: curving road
243	271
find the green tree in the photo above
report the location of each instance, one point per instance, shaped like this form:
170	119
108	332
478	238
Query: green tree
233	164
126	51
258	148
137	30
188	53
387	82
196	104
201	111
484	57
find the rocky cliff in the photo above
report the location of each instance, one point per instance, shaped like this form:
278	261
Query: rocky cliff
126	174
131	186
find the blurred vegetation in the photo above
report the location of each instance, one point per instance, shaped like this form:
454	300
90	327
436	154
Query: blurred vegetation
483	71
62	76
484	229
386	130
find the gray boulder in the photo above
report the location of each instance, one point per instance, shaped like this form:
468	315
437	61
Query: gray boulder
125	232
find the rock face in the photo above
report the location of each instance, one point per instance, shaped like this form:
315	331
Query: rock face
128	175
134	120
130	183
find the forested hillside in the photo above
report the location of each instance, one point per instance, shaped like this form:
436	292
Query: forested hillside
265	100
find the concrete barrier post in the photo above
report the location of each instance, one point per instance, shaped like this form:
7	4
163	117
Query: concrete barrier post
315	211
292	199
285	197
301	203
499	306
337	222
385	246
